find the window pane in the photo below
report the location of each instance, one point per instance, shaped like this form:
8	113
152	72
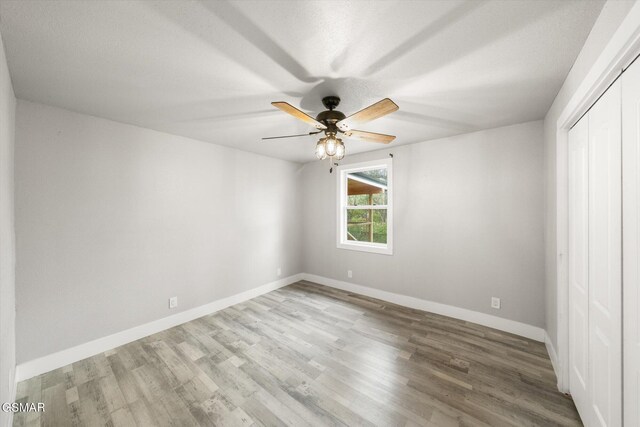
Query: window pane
380	198
367	225
367	187
358	200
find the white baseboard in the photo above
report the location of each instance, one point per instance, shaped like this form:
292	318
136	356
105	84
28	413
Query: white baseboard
552	352
12	395
553	355
62	358
506	325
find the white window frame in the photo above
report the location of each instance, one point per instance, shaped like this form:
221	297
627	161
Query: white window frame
342	242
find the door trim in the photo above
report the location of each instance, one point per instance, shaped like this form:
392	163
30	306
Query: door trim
631	244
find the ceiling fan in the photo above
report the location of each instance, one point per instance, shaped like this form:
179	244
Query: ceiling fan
333	122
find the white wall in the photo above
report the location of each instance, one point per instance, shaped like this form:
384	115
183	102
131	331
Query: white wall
607	23
468	223
113	219
7	239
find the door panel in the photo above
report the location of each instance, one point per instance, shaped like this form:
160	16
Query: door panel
605	259
579	262
595	262
631	242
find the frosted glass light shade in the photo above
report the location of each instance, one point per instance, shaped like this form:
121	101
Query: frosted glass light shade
321	152
340	150
330	145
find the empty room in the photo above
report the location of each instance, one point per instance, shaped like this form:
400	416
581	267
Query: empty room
320	213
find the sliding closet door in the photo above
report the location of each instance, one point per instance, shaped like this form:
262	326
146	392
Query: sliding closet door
605	258
579	262
631	242
595	263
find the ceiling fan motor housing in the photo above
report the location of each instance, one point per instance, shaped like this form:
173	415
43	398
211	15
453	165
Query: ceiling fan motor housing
329	118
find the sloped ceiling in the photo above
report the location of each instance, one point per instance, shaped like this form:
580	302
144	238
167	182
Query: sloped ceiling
209	70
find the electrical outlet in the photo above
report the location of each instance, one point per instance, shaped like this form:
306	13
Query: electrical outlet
279	271
349	274
173	302
495	302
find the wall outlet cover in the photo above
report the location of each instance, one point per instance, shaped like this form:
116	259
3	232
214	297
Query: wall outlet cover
495	302
173	302
349	274
279	271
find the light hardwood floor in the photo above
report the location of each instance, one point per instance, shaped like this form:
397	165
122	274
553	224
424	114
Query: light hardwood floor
309	355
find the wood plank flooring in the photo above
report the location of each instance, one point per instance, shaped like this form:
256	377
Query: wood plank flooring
308	355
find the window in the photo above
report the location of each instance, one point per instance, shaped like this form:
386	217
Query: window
365	207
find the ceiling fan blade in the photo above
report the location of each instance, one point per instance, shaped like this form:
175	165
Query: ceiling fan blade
300	115
372	112
292	136
370	136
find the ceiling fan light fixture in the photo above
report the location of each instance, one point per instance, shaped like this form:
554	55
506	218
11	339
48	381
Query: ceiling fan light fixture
321	152
331	144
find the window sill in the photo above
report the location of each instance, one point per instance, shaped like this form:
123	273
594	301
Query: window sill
367	247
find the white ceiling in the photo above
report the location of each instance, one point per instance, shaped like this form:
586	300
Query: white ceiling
209	70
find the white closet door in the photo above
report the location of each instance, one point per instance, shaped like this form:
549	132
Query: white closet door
579	263
595	262
605	259
631	242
